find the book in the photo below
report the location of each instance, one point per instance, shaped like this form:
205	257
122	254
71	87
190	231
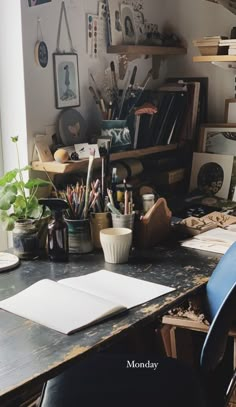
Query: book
74	303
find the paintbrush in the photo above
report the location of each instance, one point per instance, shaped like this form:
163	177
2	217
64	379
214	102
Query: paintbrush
90	166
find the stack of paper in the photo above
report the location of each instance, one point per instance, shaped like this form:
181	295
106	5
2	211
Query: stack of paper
216	240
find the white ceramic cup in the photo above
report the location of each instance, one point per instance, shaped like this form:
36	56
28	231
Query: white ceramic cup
116	243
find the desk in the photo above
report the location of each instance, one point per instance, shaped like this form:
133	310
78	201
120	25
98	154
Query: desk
31	354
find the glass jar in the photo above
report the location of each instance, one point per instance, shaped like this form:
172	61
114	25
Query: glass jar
148	201
25	239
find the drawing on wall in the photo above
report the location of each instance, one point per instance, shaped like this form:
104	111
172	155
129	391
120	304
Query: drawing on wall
128	24
211	174
218	140
115	22
66	79
37	2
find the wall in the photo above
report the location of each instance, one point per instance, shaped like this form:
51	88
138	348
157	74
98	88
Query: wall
194	19
28	110
39	82
12	95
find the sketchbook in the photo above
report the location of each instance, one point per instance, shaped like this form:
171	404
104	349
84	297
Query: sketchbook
71	304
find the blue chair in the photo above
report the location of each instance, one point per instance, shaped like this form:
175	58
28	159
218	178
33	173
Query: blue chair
129	379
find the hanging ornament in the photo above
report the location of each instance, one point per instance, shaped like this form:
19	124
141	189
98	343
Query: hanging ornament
40	49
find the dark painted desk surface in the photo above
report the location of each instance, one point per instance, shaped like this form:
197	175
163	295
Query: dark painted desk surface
30	353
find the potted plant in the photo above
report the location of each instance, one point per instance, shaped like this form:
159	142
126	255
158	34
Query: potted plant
20	210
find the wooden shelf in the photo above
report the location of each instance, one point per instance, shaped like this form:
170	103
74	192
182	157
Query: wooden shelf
58	168
145	50
215	58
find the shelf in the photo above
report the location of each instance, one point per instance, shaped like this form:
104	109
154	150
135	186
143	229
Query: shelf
145	50
215	58
58	168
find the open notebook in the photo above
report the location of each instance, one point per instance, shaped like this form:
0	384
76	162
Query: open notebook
73	303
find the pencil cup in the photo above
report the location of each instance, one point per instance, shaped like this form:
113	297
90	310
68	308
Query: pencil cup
116	243
80	240
99	221
123	221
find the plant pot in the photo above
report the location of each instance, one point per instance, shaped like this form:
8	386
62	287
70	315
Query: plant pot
79	234
25	239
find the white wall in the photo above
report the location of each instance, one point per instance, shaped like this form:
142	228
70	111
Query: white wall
39	82
189	18
12	96
194	19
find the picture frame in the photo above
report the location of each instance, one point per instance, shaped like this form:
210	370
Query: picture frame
128	24
230	111
218	138
37	2
66	80
211	174
115	22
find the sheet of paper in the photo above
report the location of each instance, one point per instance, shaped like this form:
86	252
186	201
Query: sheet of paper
215	247
83	150
59	307
115	287
217	235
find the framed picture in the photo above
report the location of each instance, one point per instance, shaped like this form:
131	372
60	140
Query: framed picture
230	110
37	2
66	77
211	174
115	22
128	24
218	139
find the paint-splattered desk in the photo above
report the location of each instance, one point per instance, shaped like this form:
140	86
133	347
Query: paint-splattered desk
30	353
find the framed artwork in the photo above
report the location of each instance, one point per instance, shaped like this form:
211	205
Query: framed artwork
211	174
66	78
128	24
230	110
115	22
37	2
218	139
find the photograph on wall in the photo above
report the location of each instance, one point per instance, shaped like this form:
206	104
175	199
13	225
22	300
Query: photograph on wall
211	174
230	111
37	2
66	77
115	22
218	140
128	24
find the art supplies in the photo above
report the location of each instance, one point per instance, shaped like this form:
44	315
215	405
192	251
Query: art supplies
116	105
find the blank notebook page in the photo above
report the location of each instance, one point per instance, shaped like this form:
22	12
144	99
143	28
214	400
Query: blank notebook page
128	291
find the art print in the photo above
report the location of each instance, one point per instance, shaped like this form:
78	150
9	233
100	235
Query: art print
211	174
66	79
218	139
37	2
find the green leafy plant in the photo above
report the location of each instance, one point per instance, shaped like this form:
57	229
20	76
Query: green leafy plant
18	198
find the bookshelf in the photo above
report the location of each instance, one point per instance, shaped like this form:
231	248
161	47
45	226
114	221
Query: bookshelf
58	168
214	58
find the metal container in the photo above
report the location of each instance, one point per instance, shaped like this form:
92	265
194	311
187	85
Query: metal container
99	221
123	221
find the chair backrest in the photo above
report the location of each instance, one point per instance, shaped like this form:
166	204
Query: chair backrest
221	302
221	282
